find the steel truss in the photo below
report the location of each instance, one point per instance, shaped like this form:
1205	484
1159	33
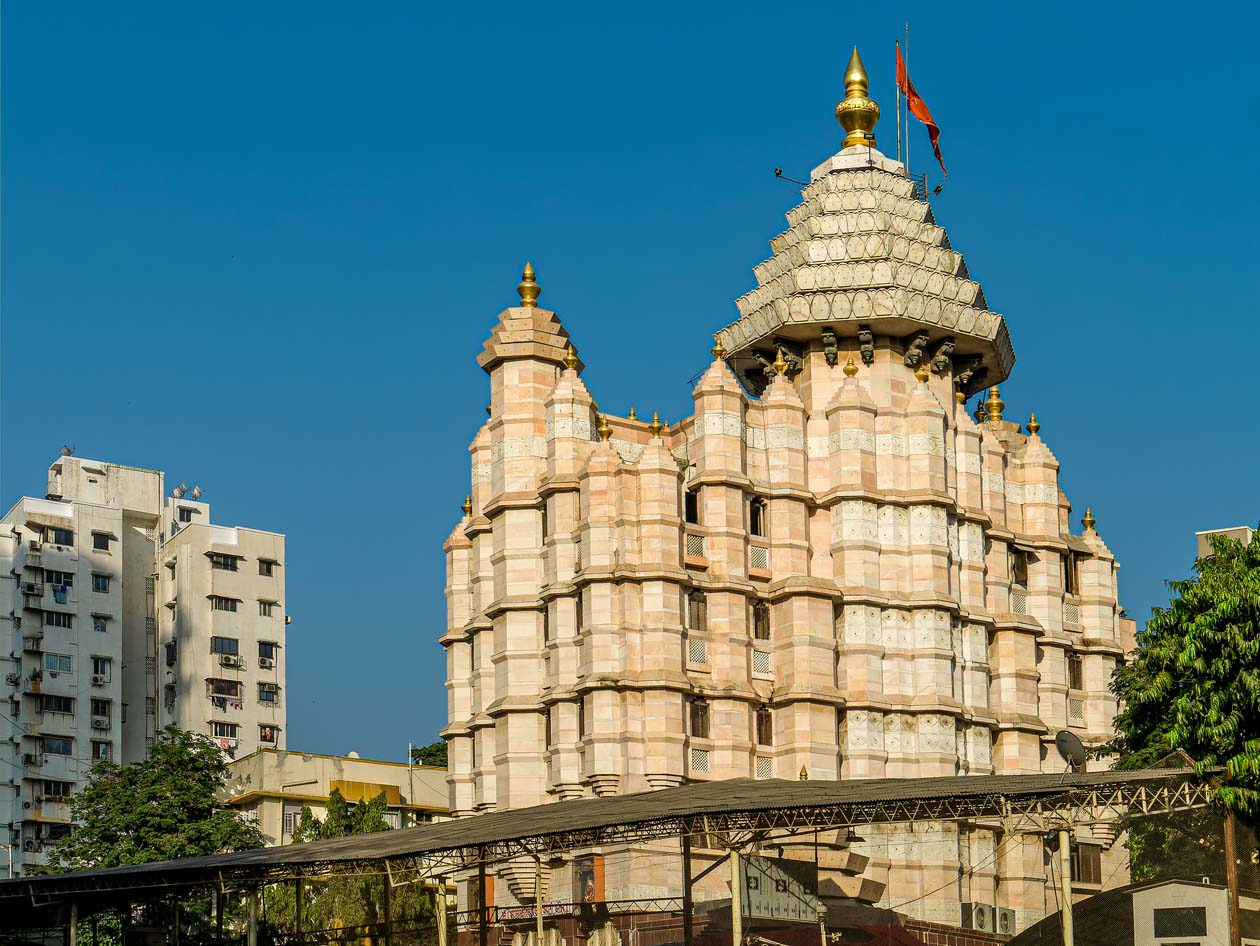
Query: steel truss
1014	813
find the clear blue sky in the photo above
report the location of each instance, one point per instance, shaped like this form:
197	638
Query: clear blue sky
259	246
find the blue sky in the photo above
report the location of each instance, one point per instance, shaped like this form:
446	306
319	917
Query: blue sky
284	230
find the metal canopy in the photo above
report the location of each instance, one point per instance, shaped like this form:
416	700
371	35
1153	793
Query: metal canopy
738	808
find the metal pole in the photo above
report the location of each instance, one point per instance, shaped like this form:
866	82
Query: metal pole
737	900
252	902
297	914
688	931
1231	879
439	907
822	925
411	786
74	923
897	83
1065	873
538	901
483	908
385	898
906	58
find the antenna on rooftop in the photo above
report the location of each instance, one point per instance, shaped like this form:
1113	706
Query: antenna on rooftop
67	449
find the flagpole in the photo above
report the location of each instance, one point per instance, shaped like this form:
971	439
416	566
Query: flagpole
906	59
897	83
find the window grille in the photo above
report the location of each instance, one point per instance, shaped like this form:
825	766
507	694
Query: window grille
764	767
695	545
697	651
700	760
761	662
759	558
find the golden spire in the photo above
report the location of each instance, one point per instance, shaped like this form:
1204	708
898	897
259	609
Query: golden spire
656	426
719	350
528	289
993	406
604	430
1034	425
922	374
570	359
960	397
633	415
780	366
856	113
981	414
804	776
1089	521
850	367
467	506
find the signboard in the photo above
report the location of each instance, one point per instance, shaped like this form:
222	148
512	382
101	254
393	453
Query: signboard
777	889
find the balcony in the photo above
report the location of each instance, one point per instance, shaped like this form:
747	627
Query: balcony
33	643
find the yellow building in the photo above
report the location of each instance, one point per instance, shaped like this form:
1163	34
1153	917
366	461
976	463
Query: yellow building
273	785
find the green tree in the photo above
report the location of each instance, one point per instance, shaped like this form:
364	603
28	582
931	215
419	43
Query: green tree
1194	686
432	754
346	903
163	807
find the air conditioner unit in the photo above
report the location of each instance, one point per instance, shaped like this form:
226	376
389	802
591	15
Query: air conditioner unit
266	663
12	679
26	804
1005	921
978	916
30	847
35	545
227	660
100	722
98	679
30	758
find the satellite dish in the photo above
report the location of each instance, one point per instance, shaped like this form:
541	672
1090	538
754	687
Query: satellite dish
1070	748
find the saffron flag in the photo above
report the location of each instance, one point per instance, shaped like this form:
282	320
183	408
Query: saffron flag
918	108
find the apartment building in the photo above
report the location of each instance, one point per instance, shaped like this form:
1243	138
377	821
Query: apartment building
88	677
272	786
221	624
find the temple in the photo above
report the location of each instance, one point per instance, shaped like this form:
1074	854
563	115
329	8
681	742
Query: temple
831	569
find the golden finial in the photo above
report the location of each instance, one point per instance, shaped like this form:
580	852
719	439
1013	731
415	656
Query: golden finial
856	113
570	359
1034	425
633	415
922	374
780	366
719	350
1089	521
981	414
804	776
850	367
604	430
528	289
467	506
656	426
993	406
960	397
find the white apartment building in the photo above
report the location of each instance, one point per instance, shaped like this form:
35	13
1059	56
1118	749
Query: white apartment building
122	608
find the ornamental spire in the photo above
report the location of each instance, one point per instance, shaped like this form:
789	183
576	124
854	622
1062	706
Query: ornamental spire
528	289
857	113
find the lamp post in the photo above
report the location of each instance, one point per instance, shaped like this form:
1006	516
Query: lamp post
9	848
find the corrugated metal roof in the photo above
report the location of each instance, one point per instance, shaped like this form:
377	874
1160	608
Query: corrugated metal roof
576	817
